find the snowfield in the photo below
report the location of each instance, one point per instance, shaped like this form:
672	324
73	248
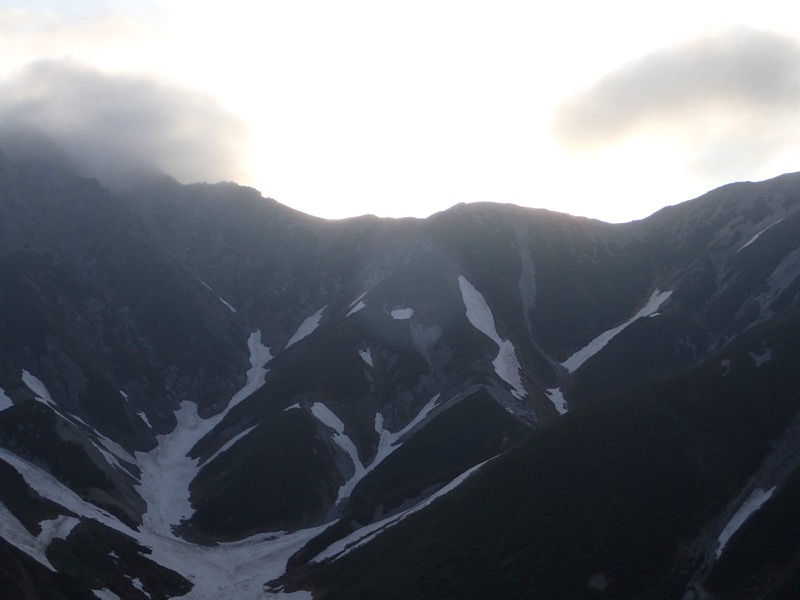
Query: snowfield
228	570
167	471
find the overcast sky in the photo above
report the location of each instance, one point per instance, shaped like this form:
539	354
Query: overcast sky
610	110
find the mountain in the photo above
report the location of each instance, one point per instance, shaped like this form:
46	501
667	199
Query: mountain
206	394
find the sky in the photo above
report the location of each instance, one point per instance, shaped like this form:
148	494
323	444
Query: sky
609	110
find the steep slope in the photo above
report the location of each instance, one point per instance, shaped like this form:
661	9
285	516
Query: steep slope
622	498
206	386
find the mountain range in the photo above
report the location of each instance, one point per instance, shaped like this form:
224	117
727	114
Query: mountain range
207	394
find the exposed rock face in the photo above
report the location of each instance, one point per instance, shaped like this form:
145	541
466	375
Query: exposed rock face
198	364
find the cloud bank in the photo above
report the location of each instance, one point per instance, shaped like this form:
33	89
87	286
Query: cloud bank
732	97
117	124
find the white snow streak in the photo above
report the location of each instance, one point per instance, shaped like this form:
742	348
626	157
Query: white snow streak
167	471
291	407
324	414
43	395
221	299
58	528
557	398
37	387
230	443
387	441
366	356
751	505
356	308
115	448
137	583
143	417
105	594
124	395
365	534
52	489
233	310
230	570
480	315
307	327
402	313
581	356
5	401
14	532
758	235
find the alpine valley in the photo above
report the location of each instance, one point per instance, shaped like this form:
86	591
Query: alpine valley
205	394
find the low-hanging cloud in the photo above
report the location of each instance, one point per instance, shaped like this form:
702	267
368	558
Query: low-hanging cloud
732	96
115	124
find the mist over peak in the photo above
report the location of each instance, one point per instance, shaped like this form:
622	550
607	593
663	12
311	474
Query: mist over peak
112	125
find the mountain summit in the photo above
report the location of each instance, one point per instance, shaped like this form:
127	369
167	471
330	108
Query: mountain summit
206	394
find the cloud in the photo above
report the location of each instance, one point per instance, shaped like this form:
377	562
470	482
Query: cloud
119	123
733	97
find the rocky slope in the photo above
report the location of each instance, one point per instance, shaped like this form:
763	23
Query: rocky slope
200	386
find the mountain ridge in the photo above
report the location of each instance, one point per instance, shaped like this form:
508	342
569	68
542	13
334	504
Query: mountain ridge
359	367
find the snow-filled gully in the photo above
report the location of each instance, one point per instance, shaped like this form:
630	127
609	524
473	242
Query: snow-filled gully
231	570
480	316
387	441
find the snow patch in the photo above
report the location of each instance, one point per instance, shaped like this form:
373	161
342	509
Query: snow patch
51	488
366	356
14	532
236	569
167	470
358	300
105	594
657	298
356	308
758	235
291	407
38	388
43	396
137	583
58	528
124	395
307	327
480	315
751	505
557	398
143	417
365	534
230	308
326	417
761	357
387	441
5	401
402	313
115	448
229	444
